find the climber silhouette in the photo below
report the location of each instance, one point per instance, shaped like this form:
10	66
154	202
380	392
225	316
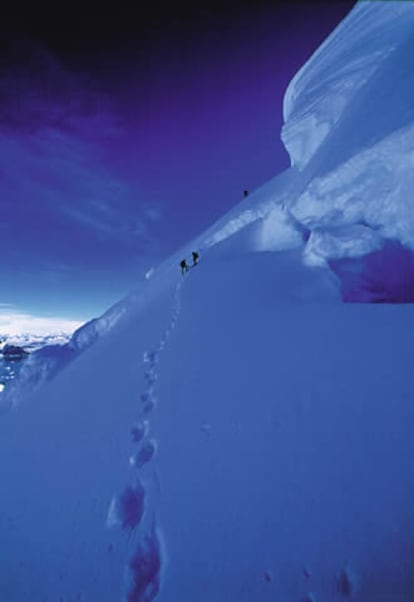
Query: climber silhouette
195	257
184	266
246	193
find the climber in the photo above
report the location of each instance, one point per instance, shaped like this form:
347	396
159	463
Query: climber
184	266
246	193
195	258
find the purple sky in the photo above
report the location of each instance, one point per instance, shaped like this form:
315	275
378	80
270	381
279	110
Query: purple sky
122	137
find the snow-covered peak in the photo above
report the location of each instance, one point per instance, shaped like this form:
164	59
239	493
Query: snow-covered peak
324	88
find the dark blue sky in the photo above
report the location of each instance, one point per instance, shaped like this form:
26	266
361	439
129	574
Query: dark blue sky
123	136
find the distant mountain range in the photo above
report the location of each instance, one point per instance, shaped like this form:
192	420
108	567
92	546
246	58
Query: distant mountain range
32	342
11	364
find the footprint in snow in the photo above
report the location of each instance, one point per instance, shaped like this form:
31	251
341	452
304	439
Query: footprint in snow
144	455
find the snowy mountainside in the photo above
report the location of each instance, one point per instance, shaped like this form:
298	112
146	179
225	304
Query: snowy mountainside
51	354
254	439
348	200
261	428
361	73
244	218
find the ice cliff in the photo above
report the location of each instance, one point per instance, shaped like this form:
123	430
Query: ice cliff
371	39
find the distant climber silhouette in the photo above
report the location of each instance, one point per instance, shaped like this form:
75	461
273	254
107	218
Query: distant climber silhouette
246	193
195	257
184	266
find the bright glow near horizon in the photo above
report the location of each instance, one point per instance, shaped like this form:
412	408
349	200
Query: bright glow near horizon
13	322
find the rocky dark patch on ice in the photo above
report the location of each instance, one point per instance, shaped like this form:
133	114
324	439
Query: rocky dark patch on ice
13	352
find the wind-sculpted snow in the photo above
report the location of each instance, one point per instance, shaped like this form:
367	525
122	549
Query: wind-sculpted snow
355	195
340	242
371	188
362	206
325	87
252	210
87	334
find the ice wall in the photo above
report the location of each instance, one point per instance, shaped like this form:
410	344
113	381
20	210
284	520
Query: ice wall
349	124
338	71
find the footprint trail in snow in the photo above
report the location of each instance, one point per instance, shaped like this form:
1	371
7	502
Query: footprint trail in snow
145	563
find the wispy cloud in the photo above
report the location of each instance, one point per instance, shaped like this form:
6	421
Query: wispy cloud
62	140
17	323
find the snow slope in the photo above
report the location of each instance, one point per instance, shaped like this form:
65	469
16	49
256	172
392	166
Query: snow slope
253	440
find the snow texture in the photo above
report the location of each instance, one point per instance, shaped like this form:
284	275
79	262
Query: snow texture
254	438
328	84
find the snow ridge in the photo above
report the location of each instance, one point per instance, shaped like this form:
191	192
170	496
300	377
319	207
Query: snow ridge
144	568
323	89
